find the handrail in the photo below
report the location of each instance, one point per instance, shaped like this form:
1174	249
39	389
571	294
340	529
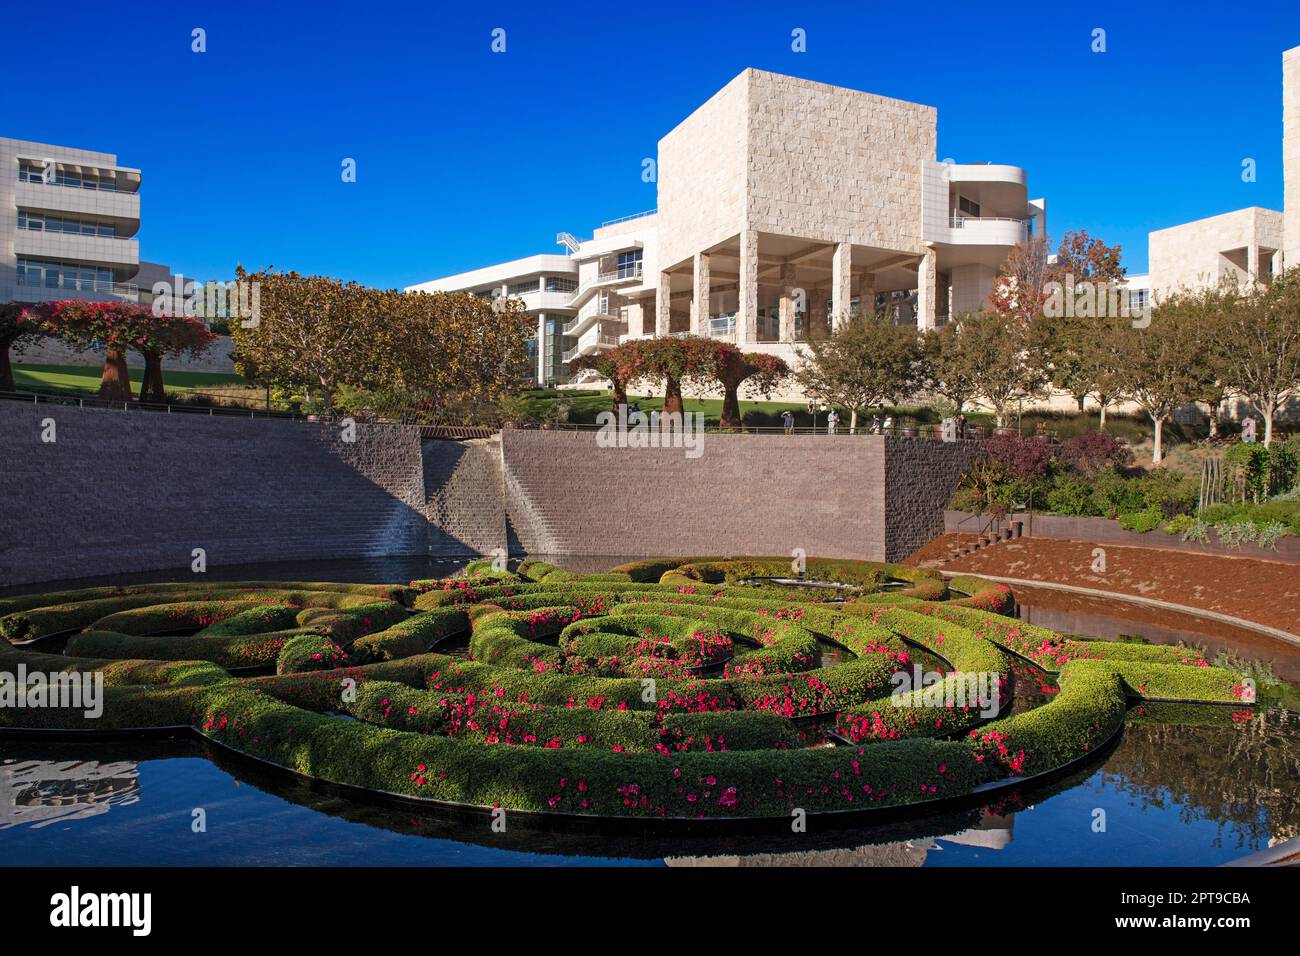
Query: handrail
959	222
635	215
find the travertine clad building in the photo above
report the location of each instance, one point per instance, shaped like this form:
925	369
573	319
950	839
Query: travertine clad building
1250	245
783	204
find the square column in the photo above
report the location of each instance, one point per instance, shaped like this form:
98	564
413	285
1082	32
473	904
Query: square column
700	303
541	348
925	292
1252	263
787	303
663	304
747	311
841	277
867	294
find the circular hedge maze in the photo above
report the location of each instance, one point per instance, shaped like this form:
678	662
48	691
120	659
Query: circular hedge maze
664	689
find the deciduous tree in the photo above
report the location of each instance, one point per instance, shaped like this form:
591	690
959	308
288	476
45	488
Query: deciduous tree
867	362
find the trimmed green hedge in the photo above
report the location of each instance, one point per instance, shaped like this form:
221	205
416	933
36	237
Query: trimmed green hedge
665	688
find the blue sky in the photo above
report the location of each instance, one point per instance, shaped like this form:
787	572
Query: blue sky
465	157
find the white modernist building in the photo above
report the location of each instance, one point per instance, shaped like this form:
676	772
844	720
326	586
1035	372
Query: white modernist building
68	220
784	205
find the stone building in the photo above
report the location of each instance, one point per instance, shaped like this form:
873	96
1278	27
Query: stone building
783	205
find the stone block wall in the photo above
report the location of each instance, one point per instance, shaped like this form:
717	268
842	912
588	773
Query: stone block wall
135	491
744	495
463	496
215	358
825	162
138	491
920	477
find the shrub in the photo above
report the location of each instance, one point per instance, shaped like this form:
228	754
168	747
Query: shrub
1090	453
1070	495
1145	520
310	652
529	723
1018	457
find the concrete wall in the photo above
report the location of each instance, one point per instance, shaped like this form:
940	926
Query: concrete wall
136	491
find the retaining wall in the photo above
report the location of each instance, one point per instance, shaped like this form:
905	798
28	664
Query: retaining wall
50	351
1108	531
120	491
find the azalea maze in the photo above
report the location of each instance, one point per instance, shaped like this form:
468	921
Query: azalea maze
662	689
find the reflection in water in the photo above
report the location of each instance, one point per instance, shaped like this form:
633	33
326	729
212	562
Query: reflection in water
36	793
1184	785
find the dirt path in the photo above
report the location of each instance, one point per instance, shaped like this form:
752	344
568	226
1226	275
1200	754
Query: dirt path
1267	592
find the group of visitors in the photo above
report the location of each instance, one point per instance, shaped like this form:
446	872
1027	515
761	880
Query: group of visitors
879	426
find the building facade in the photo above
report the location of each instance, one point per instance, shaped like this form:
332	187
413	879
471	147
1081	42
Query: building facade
68	222
784	206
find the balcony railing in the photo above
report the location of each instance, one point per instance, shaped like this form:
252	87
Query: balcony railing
64	284
25	176
635	215
65	232
632	270
959	222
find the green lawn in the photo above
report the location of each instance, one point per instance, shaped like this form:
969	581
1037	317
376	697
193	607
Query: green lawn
85	379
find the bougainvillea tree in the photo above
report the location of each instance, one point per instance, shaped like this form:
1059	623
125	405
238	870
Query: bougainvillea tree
604	364
112	326
167	335
16	325
676	361
731	367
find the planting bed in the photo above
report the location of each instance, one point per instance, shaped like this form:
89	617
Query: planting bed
661	689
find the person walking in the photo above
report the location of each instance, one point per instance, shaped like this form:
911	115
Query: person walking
832	420
889	423
787	419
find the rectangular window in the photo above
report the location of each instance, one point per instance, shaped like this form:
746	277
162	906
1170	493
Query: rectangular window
522	288
968	207
629	264
561	284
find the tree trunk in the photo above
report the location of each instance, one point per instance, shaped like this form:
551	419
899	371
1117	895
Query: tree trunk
151	388
853	421
1268	425
1157	451
115	384
620	394
1214	421
1101	425
672	396
730	405
6	370
1082	400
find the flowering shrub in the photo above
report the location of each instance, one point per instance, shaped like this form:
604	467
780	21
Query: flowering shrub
664	689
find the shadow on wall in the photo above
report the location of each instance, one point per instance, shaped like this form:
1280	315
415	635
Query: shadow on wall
97	491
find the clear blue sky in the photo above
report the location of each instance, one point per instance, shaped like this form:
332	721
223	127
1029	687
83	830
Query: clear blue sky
465	157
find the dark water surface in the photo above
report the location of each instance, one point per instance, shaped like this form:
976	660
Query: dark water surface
1184	785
